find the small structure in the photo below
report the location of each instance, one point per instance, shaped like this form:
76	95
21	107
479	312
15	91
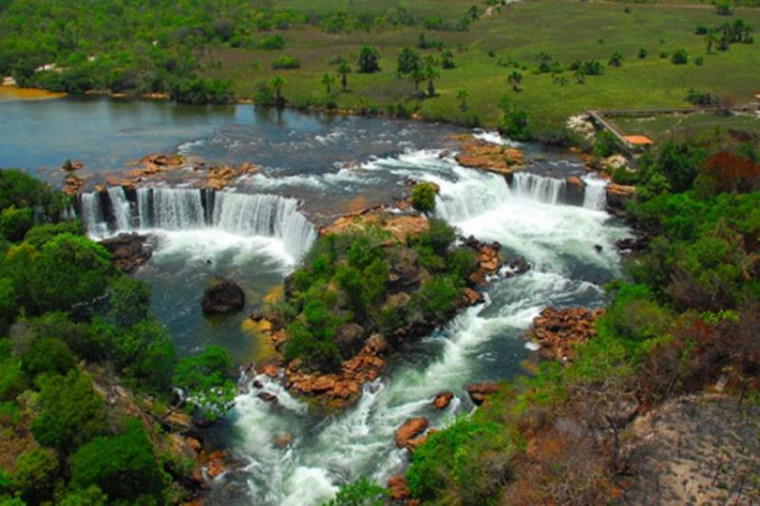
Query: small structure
638	142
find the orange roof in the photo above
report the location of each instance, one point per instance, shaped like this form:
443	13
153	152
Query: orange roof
638	139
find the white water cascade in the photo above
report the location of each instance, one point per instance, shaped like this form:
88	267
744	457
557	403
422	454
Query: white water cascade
595	196
170	209
543	189
483	343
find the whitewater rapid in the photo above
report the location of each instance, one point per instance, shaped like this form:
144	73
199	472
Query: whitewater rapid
571	249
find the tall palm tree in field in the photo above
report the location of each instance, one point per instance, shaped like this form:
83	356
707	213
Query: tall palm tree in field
711	39
328	80
343	70
277	84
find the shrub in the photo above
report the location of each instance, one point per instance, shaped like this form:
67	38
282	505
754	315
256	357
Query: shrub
724	8
47	355
368	60
593	68
71	413
699	61
286	62
437	298
122	466
423	197
616	60
440	236
680	57
205	382
702	98
145	354
36	474
606	144
361	492
643	53
515	124
41	234
15	223
272	42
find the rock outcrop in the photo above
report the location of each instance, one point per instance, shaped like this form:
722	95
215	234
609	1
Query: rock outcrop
558	331
490	157
478	392
443	400
410	430
617	197
222	296
128	251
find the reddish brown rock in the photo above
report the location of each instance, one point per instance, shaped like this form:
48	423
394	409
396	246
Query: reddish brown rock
271	370
399	489
443	400
128	251
490	157
471	297
478	392
409	430
558	332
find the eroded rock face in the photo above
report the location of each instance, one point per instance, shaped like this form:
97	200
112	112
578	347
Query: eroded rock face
222	296
478	392
618	195
128	251
410	430
399	489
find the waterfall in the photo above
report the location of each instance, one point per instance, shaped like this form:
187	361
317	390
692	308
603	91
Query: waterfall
543	189
595	196
176	209
121	209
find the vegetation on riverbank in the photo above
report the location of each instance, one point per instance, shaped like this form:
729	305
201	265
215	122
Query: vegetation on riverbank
86	373
687	320
464	58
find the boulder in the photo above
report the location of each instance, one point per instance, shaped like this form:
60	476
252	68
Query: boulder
282	439
222	296
618	195
267	397
443	400
348	337
471	297
479	391
409	430
128	251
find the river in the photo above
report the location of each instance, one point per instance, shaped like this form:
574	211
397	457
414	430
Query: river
312	167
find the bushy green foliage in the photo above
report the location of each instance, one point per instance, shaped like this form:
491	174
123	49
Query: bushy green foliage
40	234
368	61
606	144
196	90
71	412
439	237
47	355
310	338
286	62
36	474
145	354
129	301
122	466
15	223
204	378
69	271
91	496
515	123
423	197
20	190
438	297
361	492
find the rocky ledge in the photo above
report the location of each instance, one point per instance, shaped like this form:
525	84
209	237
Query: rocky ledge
490	157
618	196
557	332
128	251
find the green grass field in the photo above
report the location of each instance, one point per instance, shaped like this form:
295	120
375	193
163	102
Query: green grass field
566	30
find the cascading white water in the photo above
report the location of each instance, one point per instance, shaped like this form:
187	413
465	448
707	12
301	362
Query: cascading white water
122	212
595	195
482	343
174	209
543	189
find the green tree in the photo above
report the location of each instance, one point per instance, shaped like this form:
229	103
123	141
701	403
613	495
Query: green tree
462	96
91	496
514	123
515	80
47	355
368	61
145	353
71	413
204	380
431	74
343	70
276	84
36	475
328	80
71	272
361	492
122	466
616	60
15	223
710	39
423	197
408	61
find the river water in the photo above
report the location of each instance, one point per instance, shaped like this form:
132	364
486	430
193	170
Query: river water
312	167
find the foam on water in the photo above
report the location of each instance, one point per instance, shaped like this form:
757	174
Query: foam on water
558	240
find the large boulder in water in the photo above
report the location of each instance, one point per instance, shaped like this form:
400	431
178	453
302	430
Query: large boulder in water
409	430
222	295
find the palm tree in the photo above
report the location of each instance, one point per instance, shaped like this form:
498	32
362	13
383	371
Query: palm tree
515	79
580	76
462	97
417	76
328	80
277	84
431	74
711	39
343	70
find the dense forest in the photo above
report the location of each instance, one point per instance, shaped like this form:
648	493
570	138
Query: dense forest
86	373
